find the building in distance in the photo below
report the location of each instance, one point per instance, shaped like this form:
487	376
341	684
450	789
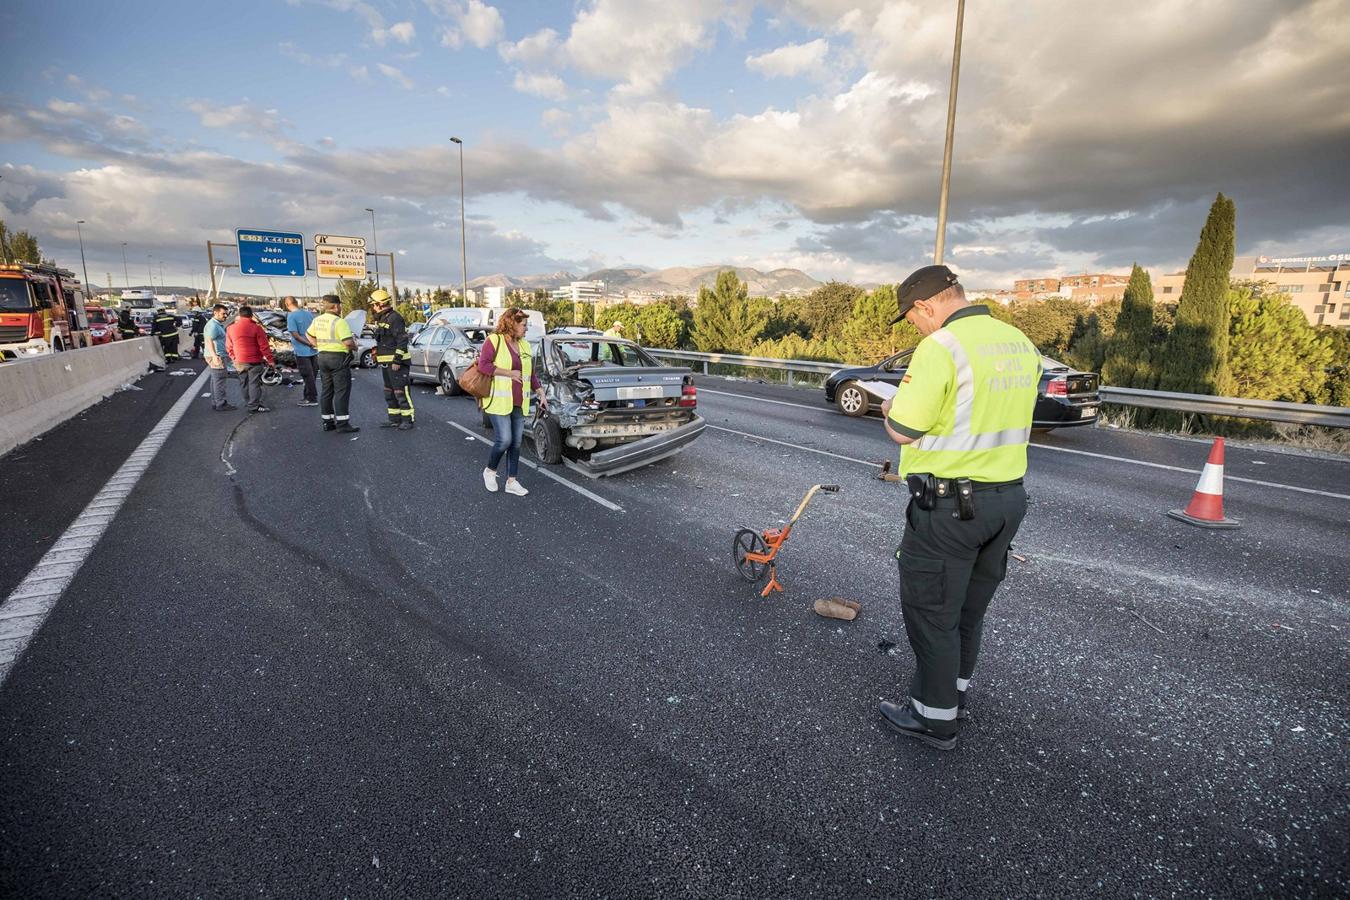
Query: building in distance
1317	285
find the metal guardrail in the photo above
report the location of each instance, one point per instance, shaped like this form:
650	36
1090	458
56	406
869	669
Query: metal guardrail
1265	410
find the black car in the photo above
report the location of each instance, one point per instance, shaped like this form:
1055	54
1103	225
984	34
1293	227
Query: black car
1066	396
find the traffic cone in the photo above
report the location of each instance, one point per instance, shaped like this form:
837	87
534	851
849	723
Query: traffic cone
1206	506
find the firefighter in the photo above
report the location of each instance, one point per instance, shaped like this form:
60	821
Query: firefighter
166	327
962	415
126	325
391	352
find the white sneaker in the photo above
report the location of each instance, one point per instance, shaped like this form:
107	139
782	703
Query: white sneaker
515	487
490	480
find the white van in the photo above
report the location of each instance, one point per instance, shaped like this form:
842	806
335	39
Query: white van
485	317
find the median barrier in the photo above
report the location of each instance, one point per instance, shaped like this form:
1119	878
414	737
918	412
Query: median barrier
41	392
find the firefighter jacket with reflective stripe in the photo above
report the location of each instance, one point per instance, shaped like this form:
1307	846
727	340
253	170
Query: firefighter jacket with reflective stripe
500	401
391	338
329	332
967	398
165	324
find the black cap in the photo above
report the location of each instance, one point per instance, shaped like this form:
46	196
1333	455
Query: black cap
921	285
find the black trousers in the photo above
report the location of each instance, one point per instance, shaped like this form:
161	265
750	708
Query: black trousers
308	368
335	385
397	397
169	344
949	571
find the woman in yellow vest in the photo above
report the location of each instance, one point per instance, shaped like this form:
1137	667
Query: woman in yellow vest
507	360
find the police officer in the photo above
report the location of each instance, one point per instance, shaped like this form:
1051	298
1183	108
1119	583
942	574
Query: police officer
333	338
391	353
166	327
962	415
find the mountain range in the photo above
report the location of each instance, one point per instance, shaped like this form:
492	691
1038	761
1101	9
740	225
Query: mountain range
676	280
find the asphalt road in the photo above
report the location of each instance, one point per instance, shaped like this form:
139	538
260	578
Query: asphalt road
304	664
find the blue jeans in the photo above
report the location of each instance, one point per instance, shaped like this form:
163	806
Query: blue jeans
508	431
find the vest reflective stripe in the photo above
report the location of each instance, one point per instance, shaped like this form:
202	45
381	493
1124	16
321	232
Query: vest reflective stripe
500	402
965	382
974	441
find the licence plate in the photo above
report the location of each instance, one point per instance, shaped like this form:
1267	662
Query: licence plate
634	393
1087	412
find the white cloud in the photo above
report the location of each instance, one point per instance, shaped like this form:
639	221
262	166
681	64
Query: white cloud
550	87
403	32
360	73
537	49
557	121
475	23
244	118
395	75
791	60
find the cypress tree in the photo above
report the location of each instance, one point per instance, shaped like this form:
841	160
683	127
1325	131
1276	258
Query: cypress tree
1195	357
1129	355
726	321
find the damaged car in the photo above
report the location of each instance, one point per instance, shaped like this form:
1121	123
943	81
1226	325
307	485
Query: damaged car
611	407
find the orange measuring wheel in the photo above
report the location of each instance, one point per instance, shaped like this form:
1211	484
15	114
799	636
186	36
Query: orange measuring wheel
754	552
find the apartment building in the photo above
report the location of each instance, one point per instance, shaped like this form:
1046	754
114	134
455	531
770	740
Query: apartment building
581	292
1317	285
1090	287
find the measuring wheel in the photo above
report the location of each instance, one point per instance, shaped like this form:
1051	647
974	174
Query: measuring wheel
748	541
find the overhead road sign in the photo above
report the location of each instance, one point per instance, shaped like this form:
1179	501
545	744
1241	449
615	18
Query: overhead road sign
340	256
270	253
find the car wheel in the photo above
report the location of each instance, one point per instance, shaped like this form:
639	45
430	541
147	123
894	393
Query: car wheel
448	383
368	359
547	440
852	400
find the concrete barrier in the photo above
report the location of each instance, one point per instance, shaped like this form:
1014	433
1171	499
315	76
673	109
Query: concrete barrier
40	393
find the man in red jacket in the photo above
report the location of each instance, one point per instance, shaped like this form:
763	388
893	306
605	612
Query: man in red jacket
246	343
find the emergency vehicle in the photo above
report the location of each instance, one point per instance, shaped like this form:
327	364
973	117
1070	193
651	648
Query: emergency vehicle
143	306
41	310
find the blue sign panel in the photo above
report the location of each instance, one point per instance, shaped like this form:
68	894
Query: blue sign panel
272	253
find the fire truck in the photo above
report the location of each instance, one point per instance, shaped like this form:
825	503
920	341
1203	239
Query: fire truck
41	310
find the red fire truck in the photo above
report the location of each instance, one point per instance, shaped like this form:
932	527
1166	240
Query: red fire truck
41	310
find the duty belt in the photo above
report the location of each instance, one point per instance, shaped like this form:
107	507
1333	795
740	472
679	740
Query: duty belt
927	490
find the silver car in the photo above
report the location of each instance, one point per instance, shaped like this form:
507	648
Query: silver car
439	354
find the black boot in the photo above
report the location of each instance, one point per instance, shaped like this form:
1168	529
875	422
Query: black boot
329	425
347	428
903	720
406	425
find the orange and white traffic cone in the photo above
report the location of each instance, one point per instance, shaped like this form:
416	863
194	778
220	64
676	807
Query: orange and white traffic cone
1206	506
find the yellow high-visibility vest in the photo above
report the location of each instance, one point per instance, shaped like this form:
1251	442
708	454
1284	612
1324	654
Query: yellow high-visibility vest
500	400
967	397
329	332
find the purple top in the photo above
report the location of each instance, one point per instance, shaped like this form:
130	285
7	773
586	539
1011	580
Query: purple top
487	365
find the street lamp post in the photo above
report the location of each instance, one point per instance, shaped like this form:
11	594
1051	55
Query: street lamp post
126	275
150	269
375	238
83	266
463	246
951	131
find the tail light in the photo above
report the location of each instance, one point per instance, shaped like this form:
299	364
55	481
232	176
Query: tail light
689	396
1057	387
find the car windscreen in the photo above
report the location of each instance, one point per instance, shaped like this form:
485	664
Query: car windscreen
582	352
1050	365
14	296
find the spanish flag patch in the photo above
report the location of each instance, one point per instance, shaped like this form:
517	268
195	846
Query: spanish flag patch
905	380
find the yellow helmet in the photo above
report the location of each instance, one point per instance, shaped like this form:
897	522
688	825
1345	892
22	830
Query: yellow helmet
380	296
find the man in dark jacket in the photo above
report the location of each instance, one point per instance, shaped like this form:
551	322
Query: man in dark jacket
126	325
246	343
166	328
391	352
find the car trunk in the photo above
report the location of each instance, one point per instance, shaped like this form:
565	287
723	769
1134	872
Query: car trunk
1082	385
633	395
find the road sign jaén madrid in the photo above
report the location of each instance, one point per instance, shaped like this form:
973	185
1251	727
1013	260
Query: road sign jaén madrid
270	253
339	256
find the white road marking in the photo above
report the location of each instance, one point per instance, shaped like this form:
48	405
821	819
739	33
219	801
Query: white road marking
824	409
22	614
1153	465
767	440
545	472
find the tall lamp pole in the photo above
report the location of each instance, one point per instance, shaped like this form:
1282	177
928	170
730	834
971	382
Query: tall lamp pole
951	131
150	269
376	241
126	275
83	266
463	251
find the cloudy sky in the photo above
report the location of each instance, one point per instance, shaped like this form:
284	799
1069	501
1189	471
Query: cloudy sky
797	133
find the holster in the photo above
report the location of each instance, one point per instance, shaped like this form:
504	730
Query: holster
965	499
923	489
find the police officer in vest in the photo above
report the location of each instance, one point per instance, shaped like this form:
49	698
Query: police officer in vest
962	415
333	338
166	327
391	352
